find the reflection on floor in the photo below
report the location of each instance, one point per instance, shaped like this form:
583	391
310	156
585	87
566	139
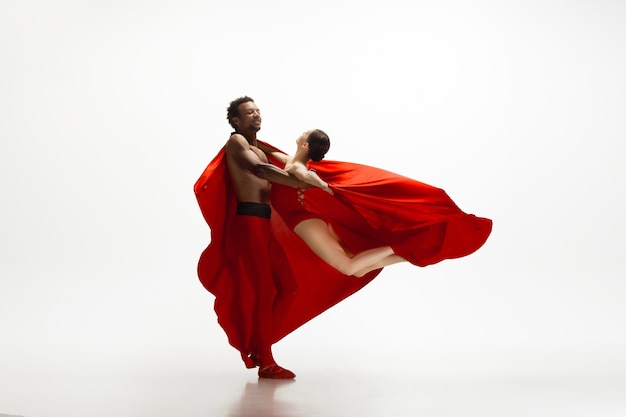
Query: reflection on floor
325	393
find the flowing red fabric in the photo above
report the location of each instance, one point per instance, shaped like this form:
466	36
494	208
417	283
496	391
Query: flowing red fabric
370	208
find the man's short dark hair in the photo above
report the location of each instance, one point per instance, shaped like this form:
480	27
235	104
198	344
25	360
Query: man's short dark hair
233	108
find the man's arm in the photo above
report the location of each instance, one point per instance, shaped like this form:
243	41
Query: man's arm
240	150
308	176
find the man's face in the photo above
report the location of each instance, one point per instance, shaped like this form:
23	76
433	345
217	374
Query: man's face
249	118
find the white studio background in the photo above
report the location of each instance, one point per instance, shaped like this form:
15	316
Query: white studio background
111	110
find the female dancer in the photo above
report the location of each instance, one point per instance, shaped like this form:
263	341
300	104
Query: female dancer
314	230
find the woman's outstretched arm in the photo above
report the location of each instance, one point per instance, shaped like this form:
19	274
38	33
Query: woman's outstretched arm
310	177
273	153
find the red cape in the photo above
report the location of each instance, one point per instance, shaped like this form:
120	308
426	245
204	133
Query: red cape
371	207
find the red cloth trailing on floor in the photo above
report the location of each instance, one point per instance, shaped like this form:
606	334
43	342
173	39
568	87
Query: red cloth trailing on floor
370	208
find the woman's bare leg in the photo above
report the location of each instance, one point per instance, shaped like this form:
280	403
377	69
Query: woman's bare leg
389	260
319	237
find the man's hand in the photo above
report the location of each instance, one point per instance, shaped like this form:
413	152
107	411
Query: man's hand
304	186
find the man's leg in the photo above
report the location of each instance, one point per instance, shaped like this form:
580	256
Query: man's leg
253	247
284	282
257	264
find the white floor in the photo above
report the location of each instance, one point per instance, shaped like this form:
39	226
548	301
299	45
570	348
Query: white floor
513	385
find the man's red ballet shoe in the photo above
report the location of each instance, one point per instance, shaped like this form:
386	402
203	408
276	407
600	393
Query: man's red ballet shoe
275	371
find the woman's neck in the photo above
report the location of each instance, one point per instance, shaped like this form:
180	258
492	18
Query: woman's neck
301	156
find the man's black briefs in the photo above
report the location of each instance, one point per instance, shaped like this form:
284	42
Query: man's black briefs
254	209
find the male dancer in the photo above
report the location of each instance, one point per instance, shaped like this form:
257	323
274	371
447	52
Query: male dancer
247	284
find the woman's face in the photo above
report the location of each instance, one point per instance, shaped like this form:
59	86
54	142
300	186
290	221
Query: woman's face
304	138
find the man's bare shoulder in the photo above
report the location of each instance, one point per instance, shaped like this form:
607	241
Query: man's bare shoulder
237	137
237	142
